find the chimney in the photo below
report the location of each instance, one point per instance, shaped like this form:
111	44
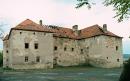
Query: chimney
75	29
40	22
105	28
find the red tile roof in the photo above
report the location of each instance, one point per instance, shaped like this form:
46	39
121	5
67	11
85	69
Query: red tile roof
87	32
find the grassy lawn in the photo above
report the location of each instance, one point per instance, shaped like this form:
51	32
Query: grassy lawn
62	74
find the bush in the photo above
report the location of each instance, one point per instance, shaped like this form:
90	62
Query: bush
1	59
125	75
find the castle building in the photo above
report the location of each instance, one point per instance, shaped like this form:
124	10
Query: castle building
36	46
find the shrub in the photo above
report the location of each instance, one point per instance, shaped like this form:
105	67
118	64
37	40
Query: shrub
1	59
125	75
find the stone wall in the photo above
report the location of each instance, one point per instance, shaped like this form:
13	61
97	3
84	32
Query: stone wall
69	52
18	52
106	52
5	53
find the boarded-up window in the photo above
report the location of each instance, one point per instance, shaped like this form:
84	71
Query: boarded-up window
38	59
26	45
26	58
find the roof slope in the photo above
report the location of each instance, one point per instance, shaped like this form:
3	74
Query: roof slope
87	32
94	31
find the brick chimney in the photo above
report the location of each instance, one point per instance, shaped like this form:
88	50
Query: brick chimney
75	30
40	22
105	28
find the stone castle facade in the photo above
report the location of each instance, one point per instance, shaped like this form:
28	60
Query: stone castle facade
36	46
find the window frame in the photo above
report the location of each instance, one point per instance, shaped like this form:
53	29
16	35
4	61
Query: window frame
26	59
35	45
26	45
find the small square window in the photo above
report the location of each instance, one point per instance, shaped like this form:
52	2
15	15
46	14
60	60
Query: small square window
81	51
107	57
26	45
20	32
118	60
36	45
38	59
116	48
55	48
72	49
34	33
26	58
7	51
65	48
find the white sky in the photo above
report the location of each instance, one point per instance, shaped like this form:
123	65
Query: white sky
62	13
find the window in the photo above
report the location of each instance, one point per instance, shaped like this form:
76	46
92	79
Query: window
55	48
26	58
107	57
81	51
7	51
116	48
26	45
20	32
36	45
65	48
72	49
118	60
38	59
34	33
87	47
44	33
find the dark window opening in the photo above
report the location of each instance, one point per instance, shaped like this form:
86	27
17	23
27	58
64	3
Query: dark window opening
7	51
26	45
82	51
44	33
116	48
26	58
87	47
72	49
118	60
65	48
107	57
34	33
38	59
55	48
20	32
36	45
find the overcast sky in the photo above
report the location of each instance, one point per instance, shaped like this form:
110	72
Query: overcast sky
63	13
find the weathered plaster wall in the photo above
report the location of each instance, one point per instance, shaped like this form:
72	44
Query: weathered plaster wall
18	50
98	51
68	57
103	52
5	53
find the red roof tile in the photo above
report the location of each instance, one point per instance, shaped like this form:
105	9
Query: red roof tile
63	32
